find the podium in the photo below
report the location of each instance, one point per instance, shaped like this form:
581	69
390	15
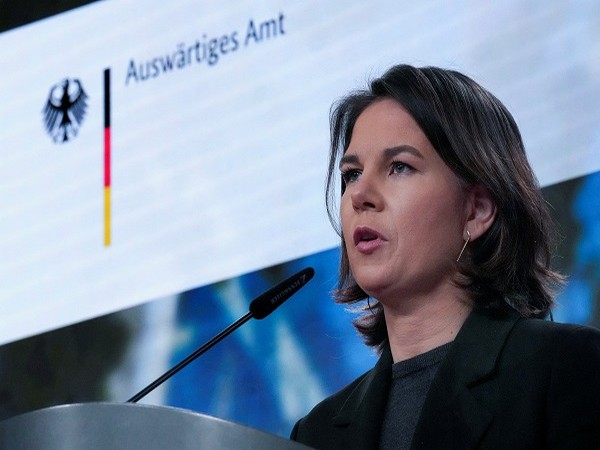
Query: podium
126	426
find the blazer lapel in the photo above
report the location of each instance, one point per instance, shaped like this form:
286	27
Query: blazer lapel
453	416
359	419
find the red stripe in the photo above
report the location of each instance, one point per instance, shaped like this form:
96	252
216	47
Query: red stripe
107	157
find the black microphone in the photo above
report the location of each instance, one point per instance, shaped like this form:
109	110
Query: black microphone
266	303
260	308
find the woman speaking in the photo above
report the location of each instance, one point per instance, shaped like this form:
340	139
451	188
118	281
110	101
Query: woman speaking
446	244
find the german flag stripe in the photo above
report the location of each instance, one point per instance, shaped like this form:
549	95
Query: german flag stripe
107	209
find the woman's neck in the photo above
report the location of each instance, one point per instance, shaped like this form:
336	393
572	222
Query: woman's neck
418	325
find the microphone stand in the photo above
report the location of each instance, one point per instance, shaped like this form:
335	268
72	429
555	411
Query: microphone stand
260	308
215	340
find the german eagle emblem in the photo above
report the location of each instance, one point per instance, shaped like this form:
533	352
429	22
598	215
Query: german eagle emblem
65	110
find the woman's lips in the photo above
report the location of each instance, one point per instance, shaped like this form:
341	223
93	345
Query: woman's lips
367	240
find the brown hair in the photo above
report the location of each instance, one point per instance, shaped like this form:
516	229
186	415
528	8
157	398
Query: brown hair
478	139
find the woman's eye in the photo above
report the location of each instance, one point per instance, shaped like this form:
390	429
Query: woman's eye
400	167
350	175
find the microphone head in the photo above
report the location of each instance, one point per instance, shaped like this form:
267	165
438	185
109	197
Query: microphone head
264	305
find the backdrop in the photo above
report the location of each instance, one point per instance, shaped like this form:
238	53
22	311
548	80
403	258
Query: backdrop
163	164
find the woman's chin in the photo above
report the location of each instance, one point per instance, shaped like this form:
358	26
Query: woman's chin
374	287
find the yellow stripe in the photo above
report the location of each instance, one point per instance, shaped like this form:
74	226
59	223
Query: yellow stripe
107	216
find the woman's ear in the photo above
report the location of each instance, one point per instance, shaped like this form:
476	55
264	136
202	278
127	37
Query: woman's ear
481	211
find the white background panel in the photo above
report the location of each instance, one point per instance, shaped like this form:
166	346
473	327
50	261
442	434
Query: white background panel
218	170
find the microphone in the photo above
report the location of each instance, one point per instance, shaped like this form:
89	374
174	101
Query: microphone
266	303
260	308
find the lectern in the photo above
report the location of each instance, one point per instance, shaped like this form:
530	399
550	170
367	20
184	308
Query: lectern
126	426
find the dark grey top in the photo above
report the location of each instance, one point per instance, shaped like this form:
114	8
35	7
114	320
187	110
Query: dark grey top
410	383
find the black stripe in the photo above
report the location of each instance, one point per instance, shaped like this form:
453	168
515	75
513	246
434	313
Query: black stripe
107	98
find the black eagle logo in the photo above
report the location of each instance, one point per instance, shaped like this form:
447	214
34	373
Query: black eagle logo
65	110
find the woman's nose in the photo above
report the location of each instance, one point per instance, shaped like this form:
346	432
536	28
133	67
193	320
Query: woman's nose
366	195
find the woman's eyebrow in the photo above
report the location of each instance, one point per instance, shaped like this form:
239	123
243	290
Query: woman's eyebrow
348	159
388	153
394	151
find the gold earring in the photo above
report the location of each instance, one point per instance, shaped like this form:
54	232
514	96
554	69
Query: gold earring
464	246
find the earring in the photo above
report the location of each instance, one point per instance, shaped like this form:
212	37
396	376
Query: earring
464	246
369	305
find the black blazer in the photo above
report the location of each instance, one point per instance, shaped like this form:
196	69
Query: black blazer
506	383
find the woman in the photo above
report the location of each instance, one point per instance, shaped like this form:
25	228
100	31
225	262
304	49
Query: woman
445	234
